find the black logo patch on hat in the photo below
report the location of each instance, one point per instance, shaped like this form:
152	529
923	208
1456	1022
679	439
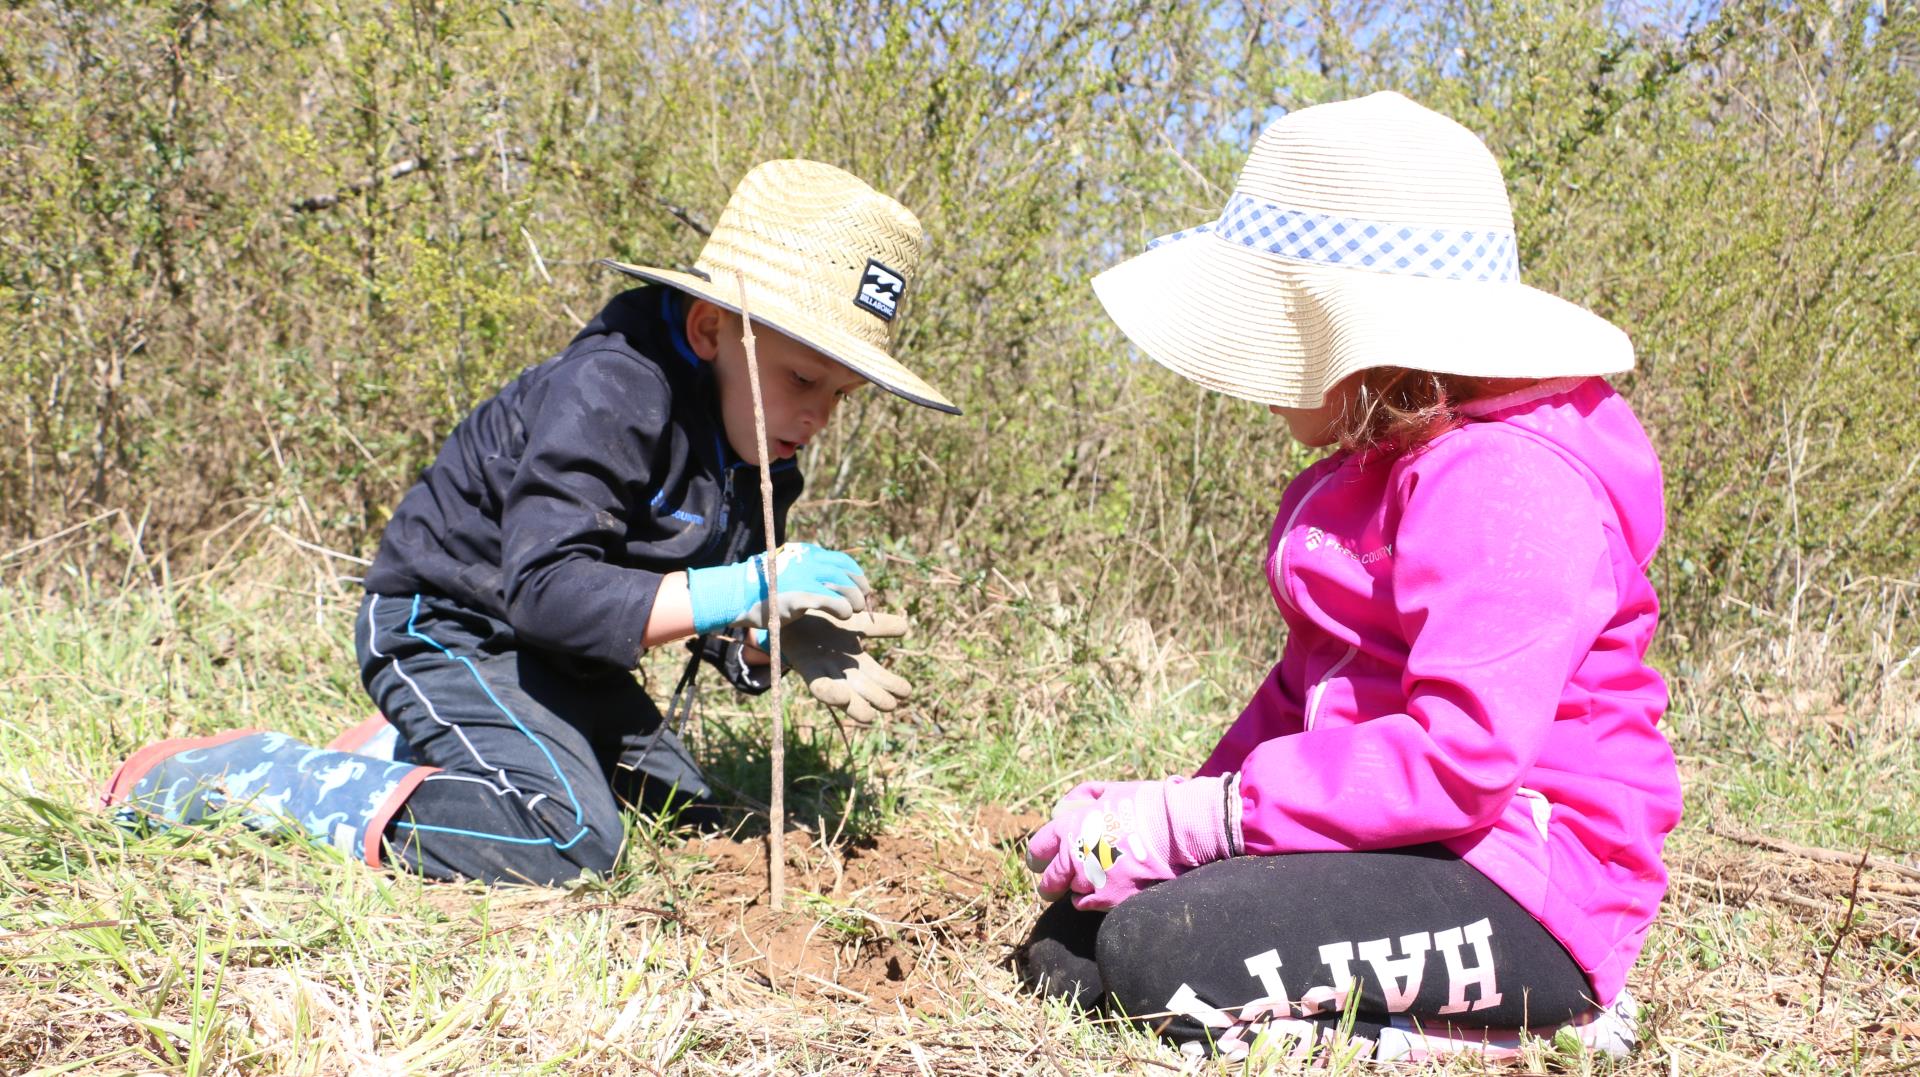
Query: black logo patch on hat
880	290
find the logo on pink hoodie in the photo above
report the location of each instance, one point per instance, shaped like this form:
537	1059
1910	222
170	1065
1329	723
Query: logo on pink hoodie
1317	538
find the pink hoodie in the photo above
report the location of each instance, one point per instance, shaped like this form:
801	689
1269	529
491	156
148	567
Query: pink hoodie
1465	663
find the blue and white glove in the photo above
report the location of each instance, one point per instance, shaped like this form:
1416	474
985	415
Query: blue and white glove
811	578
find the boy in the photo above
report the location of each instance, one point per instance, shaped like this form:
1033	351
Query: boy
603	503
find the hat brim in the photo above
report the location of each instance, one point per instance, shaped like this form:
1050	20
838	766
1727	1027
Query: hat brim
1280	332
849	351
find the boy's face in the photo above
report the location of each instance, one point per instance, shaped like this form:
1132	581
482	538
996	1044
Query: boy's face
799	387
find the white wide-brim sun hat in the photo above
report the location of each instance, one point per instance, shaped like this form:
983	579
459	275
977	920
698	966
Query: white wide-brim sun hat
1366	233
827	260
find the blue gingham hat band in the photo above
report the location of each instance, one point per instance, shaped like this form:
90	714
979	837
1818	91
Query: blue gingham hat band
1406	249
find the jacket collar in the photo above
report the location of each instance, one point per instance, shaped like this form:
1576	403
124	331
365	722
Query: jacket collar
1480	409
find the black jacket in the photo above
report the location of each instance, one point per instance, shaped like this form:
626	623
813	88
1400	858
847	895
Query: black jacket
558	505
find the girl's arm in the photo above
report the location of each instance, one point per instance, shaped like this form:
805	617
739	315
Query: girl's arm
1502	581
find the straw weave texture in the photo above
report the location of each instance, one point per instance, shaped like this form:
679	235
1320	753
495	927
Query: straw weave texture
1284	330
802	235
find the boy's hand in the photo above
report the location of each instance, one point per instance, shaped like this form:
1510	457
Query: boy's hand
811	578
831	656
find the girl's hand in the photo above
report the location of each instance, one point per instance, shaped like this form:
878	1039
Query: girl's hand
1109	840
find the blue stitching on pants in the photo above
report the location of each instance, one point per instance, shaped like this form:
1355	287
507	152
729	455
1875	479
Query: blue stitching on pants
579	816
489	837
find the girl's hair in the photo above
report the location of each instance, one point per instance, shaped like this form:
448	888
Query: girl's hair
1398	409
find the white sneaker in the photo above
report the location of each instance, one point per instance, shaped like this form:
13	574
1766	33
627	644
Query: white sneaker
1610	1031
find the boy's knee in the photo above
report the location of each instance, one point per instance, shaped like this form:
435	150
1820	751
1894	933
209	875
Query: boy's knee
596	853
587	840
543	865
589	844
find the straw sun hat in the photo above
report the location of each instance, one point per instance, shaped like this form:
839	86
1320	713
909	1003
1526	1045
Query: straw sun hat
1364	233
827	260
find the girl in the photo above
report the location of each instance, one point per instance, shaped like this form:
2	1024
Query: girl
1439	820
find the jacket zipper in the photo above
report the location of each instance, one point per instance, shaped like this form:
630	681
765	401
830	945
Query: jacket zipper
1320	687
1286	533
732	551
1539	807
726	515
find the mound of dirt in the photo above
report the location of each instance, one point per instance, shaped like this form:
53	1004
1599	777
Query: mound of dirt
868	923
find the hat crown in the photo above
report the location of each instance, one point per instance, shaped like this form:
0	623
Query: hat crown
1378	158
815	253
803	235
1361	234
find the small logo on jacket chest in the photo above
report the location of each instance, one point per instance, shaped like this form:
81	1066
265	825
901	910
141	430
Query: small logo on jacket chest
660	501
1316	540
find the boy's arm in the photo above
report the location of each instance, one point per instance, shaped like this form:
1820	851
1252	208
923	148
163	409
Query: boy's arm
672	616
593	431
580	486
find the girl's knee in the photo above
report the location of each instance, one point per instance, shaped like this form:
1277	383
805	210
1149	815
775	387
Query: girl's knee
1140	953
1058	957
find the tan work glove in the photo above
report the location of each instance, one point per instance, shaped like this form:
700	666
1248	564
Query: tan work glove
831	657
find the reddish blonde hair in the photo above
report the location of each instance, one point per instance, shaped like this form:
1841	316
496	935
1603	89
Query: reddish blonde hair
1397	409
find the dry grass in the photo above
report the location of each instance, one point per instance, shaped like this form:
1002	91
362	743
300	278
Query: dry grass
213	951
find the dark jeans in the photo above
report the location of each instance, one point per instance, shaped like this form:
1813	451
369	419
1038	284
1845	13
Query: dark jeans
538	754
1414	932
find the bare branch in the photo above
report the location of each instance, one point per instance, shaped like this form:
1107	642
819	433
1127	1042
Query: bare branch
400	170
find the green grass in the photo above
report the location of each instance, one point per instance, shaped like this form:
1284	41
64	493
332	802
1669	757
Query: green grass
212	950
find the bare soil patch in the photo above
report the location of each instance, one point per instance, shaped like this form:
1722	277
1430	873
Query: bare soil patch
874	923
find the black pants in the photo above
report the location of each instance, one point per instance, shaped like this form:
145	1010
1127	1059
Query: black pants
1413	932
537	755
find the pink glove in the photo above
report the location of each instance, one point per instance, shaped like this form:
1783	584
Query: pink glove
1110	840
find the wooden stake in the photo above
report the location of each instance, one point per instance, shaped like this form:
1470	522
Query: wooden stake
777	798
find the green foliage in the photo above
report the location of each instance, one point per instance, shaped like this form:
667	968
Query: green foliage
267	254
257	258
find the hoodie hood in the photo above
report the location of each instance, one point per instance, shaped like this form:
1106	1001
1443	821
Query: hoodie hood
1593	427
